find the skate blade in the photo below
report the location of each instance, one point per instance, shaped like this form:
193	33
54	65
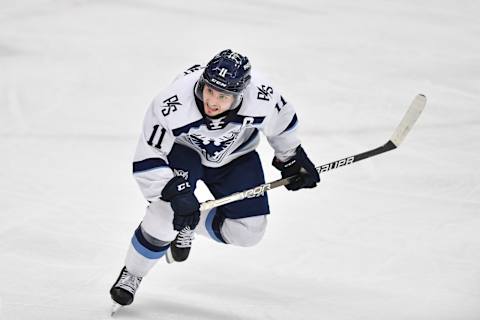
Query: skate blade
169	257
115	308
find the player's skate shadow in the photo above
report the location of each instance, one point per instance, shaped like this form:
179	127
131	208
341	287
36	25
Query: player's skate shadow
158	309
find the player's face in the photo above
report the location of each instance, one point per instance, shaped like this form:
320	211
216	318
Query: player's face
216	102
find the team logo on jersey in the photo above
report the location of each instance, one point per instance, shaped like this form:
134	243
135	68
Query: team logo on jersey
213	149
264	93
170	105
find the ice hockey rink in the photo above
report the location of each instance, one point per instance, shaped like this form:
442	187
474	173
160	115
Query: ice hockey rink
396	236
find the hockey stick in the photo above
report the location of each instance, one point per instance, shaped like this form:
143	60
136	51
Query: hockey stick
408	120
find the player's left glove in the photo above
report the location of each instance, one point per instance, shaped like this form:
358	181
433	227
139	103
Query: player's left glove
185	206
301	167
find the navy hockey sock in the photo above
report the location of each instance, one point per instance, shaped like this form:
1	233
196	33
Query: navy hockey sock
144	252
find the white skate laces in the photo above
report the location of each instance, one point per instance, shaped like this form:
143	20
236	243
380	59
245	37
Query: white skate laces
128	282
184	238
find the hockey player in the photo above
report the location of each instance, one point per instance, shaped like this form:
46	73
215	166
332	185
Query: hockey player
205	126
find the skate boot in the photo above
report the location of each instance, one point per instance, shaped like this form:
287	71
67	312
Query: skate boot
180	247
123	291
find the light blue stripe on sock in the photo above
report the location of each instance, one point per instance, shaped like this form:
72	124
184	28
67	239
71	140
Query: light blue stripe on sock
146	252
209	224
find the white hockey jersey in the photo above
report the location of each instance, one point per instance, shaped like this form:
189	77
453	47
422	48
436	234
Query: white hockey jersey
174	116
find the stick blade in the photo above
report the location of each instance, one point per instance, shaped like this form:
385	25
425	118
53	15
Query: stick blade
409	119
115	308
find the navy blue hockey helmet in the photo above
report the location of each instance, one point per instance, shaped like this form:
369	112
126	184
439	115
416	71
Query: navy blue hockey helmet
228	72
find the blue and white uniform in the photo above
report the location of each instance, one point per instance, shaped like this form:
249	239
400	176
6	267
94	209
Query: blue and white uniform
178	139
174	117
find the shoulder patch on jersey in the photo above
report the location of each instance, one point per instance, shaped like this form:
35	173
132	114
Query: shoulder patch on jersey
264	92
170	105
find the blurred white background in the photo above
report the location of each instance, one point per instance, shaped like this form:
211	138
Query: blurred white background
393	237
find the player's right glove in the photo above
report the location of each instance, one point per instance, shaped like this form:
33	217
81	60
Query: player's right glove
301	167
186	208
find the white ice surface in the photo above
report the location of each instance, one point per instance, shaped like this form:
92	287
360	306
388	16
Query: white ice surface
394	237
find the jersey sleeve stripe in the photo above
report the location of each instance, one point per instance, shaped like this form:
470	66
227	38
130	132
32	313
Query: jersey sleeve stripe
148	164
291	124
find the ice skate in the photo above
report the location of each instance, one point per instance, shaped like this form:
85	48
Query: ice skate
123	291
180	247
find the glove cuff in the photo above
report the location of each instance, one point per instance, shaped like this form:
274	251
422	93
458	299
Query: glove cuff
175	187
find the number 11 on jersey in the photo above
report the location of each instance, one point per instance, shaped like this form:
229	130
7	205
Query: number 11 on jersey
150	141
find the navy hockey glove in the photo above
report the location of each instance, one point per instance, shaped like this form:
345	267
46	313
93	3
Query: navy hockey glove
186	209
301	167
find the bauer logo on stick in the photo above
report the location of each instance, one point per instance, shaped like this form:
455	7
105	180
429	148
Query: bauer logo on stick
336	164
